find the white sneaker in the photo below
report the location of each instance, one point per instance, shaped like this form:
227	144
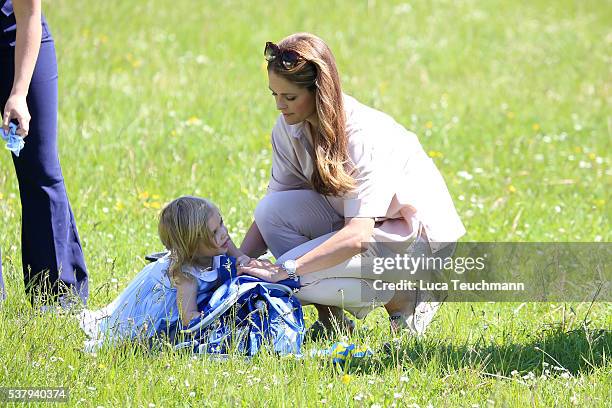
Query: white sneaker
423	315
418	321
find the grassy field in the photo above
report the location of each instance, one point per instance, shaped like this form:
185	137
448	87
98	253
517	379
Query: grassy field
160	99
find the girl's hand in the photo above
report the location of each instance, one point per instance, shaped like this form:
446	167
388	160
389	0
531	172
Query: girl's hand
264	270
243	260
16	108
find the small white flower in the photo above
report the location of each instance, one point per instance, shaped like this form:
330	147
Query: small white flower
403	379
514	373
192	394
398	395
465	175
90	388
529	376
105	210
151	405
565	375
557	209
358	397
557	368
187	384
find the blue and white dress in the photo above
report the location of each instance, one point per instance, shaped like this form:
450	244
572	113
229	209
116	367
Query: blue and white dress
148	306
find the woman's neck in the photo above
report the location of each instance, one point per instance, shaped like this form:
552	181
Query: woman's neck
313	123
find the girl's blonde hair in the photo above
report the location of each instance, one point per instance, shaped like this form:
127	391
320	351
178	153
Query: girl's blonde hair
318	73
183	226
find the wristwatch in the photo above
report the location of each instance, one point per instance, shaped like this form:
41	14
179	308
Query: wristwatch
290	266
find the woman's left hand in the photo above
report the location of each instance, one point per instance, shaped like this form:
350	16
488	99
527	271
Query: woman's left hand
264	270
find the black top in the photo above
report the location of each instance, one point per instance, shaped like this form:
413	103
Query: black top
8	25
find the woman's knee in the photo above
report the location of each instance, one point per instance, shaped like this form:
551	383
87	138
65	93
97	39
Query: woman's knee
282	205
265	209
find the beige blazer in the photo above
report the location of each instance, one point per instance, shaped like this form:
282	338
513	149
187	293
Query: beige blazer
394	176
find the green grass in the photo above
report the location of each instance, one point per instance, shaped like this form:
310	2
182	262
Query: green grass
160	99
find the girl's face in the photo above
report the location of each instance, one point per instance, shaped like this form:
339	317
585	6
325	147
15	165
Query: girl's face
295	103
220	237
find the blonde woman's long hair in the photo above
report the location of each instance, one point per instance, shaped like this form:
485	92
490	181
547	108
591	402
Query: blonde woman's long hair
183	226
318	73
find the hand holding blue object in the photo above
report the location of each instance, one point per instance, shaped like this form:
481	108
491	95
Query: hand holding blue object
14	142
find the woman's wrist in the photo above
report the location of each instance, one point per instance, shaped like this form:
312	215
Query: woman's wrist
283	273
19	91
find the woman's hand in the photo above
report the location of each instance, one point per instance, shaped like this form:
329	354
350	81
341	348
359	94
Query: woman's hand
16	108
264	270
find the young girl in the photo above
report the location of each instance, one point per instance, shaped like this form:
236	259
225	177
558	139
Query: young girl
167	293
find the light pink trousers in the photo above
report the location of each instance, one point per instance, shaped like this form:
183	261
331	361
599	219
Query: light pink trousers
294	222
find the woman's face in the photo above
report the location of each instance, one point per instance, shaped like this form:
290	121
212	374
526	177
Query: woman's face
295	103
220	237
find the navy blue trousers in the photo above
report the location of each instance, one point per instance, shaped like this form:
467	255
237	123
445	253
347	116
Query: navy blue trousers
51	252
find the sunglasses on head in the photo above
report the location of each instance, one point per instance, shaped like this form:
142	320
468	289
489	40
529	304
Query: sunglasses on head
287	59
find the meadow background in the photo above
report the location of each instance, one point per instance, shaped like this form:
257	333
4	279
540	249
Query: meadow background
160	99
